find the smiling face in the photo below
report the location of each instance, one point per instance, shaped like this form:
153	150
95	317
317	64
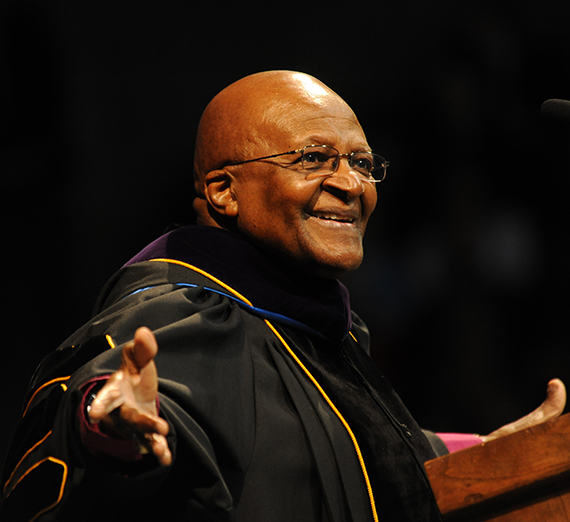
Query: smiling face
317	223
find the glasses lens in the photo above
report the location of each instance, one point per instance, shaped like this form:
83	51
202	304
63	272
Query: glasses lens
317	158
363	163
324	160
380	166
371	166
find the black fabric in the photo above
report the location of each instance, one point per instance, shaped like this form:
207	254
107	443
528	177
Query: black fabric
38	490
252	435
268	282
437	445
389	437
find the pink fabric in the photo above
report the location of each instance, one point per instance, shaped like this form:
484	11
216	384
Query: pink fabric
459	441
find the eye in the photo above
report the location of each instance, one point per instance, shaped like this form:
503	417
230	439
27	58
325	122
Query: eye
314	157
363	162
317	157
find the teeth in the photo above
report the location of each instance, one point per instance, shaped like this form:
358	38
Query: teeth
334	217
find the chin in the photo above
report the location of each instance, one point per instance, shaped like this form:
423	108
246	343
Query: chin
334	268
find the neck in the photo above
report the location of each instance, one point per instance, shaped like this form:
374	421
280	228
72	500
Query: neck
269	283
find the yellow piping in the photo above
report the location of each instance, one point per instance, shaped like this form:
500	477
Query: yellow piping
61	489
304	368
22	459
63	481
209	276
338	414
41	388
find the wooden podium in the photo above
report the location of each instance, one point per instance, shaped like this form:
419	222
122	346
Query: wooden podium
523	477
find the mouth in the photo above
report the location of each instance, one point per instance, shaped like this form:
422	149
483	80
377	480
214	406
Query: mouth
334	217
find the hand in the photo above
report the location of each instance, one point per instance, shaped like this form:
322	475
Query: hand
550	409
126	405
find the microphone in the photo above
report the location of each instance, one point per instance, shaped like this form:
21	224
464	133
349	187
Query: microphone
558	110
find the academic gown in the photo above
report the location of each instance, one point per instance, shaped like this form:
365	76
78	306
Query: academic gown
276	411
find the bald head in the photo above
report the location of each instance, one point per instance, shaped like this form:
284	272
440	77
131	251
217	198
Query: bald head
247	182
244	119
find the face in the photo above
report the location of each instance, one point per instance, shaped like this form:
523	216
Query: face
316	223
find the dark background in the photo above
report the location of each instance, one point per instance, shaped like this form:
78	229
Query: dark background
465	281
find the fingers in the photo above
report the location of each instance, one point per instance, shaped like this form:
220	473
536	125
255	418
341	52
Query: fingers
136	421
121	420
550	409
137	363
108	399
555	401
126	405
158	445
133	388
140	351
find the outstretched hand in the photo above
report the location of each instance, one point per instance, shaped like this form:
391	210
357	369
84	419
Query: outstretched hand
550	409
126	405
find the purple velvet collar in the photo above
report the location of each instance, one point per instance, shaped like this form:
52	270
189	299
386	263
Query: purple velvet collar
321	304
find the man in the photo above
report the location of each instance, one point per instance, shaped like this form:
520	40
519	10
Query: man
246	392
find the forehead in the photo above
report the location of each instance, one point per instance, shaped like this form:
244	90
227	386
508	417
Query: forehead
325	119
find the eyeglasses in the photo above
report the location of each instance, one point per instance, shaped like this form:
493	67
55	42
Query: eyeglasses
324	160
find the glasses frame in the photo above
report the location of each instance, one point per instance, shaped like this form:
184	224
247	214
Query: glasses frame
385	163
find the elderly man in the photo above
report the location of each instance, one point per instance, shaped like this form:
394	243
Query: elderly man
224	376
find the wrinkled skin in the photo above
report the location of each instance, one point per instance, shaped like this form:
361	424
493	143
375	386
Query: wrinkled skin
316	223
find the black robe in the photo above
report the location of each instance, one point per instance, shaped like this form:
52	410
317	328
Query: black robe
276	411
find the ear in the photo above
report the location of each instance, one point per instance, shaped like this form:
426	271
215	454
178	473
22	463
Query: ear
219	191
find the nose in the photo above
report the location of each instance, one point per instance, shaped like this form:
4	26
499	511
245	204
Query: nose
345	180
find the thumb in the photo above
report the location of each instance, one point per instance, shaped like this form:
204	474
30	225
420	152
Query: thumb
550	409
140	351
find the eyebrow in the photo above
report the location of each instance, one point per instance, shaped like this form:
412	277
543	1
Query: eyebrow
320	139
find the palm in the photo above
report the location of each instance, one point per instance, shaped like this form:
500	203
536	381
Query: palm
126	406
